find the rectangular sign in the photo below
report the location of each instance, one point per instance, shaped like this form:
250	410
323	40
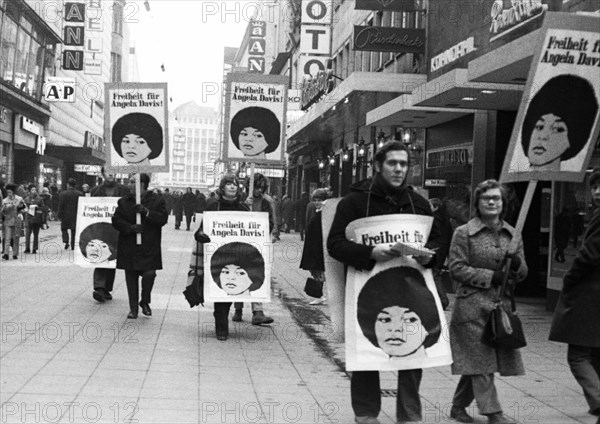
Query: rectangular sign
396	5
315	39
178	167
92	66
96	240
136	127
238	258
255	108
179	153
72	60
317	12
311	65
394	289
59	89
396	40
558	121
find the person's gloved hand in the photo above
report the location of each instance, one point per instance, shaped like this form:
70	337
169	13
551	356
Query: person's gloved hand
516	261
497	278
137	228
139	208
201	237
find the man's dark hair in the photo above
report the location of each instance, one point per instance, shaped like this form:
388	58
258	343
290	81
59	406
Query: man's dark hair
71	182
145	179
11	186
595	177
390	146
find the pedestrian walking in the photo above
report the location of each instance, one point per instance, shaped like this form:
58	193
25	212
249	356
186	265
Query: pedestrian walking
439	268
228	199
258	203
47	198
104	278
383	194
577	315
189	206
12	221
287	212
145	259
34	219
312	252
562	233
478	253
177	209
67	212
301	206
168	200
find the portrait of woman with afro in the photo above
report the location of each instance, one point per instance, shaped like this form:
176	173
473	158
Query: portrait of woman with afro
137	138
238	268
255	131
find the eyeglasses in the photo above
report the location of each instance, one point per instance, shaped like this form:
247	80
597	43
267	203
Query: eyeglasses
487	198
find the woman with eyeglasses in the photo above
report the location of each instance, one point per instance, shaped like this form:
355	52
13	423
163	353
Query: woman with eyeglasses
478	253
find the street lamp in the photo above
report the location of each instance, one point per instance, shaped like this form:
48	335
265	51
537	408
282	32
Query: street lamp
331	160
361	149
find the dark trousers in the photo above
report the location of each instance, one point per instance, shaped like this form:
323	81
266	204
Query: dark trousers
65	227
585	366
133	289
35	230
104	278
188	219
178	218
480	388
366	394
222	310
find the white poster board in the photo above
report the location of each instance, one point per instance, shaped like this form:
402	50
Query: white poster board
558	121
394	317
238	258
95	238
136	127
255	110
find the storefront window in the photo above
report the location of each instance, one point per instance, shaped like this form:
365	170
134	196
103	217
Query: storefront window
23	45
8	48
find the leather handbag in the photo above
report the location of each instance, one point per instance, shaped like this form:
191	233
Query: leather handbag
194	291
313	288
503	328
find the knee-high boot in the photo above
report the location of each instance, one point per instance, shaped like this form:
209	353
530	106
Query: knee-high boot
221	315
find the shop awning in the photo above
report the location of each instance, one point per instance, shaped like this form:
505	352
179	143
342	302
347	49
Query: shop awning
508	64
454	90
401	111
357	82
84	155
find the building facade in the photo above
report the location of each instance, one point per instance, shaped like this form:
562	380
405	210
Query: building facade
194	145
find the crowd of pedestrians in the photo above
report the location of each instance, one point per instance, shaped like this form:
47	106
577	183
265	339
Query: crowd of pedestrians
478	254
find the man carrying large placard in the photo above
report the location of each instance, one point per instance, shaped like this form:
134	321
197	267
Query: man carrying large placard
384	194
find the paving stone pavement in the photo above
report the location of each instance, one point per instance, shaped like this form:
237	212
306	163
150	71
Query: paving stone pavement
65	358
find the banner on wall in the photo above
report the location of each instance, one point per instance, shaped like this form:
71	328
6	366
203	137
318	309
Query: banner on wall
95	238
255	109
237	261
136	127
394	318
558	120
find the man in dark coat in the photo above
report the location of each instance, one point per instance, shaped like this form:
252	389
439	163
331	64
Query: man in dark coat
577	315
301	206
140	260
67	212
168	200
104	278
189	206
385	193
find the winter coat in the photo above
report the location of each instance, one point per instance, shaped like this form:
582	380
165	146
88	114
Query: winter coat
475	253
188	201
148	255
39	216
67	206
312	253
287	210
177	205
577	315
372	197
11	211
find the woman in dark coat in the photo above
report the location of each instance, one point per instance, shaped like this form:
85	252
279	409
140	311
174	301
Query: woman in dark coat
577	315
189	206
229	199
140	260
177	209
312	252
477	254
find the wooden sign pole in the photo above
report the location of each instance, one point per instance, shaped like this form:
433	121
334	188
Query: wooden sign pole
249	199
138	200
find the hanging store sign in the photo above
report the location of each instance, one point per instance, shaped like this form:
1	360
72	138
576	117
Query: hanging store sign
92	66
396	40
314	88
311	65
59	89
396	5
178	167
315	39
317	11
453	54
74	36
93	141
505	20
448	157
257	46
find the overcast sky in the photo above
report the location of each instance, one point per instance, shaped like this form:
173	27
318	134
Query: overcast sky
188	36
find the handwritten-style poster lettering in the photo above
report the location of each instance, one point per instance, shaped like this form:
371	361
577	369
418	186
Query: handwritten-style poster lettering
255	108
95	238
394	317
558	120
136	127
237	261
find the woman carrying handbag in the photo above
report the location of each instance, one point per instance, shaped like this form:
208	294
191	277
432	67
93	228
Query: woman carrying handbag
478	253
312	253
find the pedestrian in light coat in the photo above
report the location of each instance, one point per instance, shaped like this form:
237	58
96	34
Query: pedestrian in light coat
477	255
140	260
577	315
12	221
